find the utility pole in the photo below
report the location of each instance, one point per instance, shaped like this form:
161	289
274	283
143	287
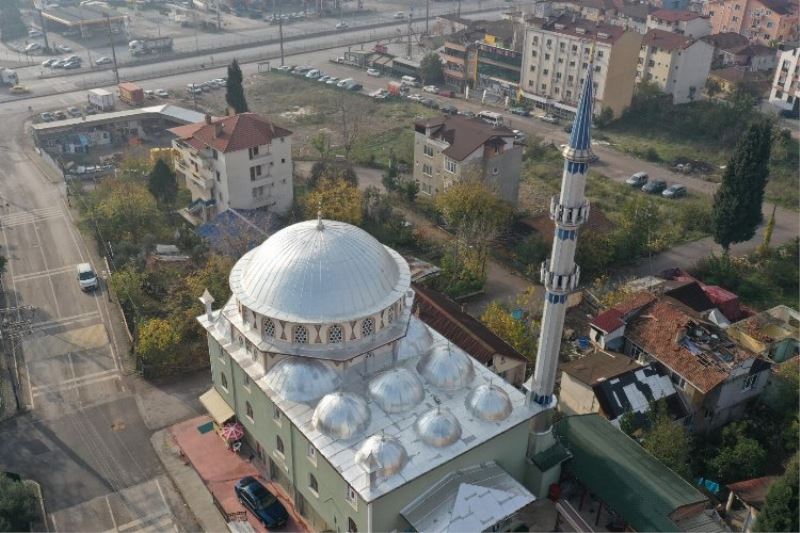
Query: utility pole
280	32
41	23
408	46
219	18
458	12
194	24
113	49
427	15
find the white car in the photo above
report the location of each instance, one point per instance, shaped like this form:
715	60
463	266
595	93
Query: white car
342	26
344	82
87	279
34	33
549	118
222	82
313	74
162	93
433	89
103	60
415	97
285	68
373	72
63	48
399	15
149	93
333	80
33	47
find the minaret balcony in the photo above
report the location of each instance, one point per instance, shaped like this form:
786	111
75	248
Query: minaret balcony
569	217
559	283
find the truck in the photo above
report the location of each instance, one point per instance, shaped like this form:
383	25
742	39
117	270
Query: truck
9	77
396	88
150	45
131	94
100	99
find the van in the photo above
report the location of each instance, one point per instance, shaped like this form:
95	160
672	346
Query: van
87	279
495	119
313	74
409	80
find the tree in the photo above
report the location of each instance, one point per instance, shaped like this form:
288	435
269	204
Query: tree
157	342
740	455
162	183
605	117
668	441
17	505
737	202
133	167
234	91
337	199
638	221
332	170
763	249
11	24
515	332
128	284
431	68
351	116
781	510
124	211
713	87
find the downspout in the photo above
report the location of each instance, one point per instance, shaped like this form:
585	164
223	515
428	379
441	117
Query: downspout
369	517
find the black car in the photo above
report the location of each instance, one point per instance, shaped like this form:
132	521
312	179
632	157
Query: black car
448	109
521	111
468	114
261	502
429	102
654	186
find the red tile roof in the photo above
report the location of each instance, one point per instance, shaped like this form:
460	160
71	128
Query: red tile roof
581	28
753	491
666	40
669	15
462	329
230	134
613	319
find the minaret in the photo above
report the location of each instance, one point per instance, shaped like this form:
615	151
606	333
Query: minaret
560	274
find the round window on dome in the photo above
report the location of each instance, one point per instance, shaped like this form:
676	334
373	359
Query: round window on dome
367	327
335	334
300	335
269	328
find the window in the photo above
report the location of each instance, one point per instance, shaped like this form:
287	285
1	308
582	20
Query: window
255	172
561	46
571	63
749	382
217	175
279	444
574	47
335	334
651	63
546	72
597	68
258	192
367	327
549	42
428	150
252	152
300	335
560	60
547	57
312	453
246	380
223	381
214	154
533	69
312	484
276	412
249	410
495	172
269	328
544	86
351	526
599	53
283	159
450	166
677	380
390	315
533	53
427	170
351	494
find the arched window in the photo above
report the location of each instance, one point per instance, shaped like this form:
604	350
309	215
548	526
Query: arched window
367	327
390	315
312	483
241	341
300	335
223	380
269	328
335	334
279	444
351	526
249	410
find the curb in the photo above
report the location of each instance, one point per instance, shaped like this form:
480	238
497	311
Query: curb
41	501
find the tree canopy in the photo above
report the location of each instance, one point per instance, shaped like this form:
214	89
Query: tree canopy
162	183
234	90
332	170
781	509
125	211
17	505
515	332
338	200
431	68
737	202
668	441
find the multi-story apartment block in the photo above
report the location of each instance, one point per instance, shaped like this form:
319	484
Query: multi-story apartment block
678	64
686	23
556	55
236	162
785	92
451	148
762	21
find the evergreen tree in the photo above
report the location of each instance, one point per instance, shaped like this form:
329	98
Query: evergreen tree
11	24
668	441
17	505
781	508
234	91
161	183
431	68
737	202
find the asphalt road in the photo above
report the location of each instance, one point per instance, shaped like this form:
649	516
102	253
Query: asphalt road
83	433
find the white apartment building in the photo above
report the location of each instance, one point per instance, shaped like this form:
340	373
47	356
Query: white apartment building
678	64
785	92
556	56
686	23
237	162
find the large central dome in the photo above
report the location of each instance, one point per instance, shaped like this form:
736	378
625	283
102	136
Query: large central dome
320	271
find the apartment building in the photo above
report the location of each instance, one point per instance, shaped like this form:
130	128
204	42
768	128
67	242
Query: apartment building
762	21
686	23
735	50
236	162
677	64
785	91
556	54
451	148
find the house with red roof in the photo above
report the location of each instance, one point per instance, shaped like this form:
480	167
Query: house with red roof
240	162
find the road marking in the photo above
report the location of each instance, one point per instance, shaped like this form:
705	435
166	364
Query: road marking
76	382
43	273
111	513
141	521
29	217
49	279
65	320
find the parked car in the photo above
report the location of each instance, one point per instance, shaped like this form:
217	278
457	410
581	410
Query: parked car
448	109
87	279
429	102
60	115
323	79
301	70
48	62
568	128
430	89
313	74
343	83
47	117
149	93
399	15
69	65
162	93
468	114
34	33
33	47
285	68
447	93
637	180
333	80
654	187
63	48
354	86
342	26
19	89
58	63
416	97
261	502
674	191
549	118
521	111
520	137
103	60
74	111
375	73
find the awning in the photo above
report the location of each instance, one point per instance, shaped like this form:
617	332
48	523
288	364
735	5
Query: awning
216	406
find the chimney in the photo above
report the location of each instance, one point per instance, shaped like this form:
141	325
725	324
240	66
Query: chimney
208	118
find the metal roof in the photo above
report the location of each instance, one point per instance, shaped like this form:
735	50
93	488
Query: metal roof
471	499
320	272
172	112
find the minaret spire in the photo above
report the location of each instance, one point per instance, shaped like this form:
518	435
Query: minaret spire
560	274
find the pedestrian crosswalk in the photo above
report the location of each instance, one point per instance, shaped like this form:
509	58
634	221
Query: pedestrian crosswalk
29	217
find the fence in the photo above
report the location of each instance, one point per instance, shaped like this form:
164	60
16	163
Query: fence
238	516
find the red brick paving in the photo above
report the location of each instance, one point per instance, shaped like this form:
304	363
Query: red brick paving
220	469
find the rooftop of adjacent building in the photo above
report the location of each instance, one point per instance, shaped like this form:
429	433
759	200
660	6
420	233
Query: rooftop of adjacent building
666	40
503	30
669	15
740	75
170	112
231	133
567	24
726	40
463	134
635	390
781	7
598	367
753	492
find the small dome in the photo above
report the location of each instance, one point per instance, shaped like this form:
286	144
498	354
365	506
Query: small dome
396	390
300	379
489	403
382	454
446	368
418	341
438	428
341	415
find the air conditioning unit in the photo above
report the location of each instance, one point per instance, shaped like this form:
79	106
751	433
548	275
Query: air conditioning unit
603	35
580	31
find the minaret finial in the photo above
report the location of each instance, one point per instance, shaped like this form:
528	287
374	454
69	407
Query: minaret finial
319	215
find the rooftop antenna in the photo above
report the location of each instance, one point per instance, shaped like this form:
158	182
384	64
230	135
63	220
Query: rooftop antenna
319	215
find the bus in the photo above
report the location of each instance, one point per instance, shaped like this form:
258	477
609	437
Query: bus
495	119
